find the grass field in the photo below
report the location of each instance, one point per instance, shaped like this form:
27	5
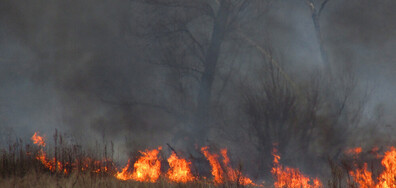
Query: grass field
75	180
26	165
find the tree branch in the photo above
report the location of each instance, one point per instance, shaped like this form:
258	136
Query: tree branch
269	56
322	6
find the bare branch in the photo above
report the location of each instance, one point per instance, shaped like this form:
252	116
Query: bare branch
269	56
200	46
314	10
322	6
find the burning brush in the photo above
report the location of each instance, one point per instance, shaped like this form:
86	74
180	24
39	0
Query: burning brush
147	168
385	179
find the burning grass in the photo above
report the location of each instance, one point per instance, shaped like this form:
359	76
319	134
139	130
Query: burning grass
31	166
146	169
179	170
290	177
71	166
386	173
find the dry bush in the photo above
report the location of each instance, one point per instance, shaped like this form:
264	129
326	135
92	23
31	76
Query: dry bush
310	120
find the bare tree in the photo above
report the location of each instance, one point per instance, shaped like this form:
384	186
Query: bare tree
316	11
191	35
319	113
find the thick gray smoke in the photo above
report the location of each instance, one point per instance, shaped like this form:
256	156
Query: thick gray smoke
93	69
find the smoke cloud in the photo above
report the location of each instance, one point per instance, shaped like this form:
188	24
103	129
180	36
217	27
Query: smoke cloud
91	68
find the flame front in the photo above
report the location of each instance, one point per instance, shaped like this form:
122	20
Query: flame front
290	177
387	179
217	171
54	165
41	156
179	170
234	175
363	177
124	174
146	169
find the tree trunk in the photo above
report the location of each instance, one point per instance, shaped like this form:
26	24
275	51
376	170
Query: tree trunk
201	128
323	53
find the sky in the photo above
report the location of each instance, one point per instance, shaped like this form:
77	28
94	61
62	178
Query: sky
72	65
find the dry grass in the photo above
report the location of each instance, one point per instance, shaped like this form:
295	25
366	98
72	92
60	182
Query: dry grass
19	168
40	180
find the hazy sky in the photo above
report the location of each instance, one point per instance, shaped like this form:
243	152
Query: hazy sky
60	59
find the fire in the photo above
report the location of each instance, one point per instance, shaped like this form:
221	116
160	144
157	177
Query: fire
146	168
386	179
290	177
353	151
124	174
42	157
218	172
234	175
179	170
38	140
54	165
388	176
363	177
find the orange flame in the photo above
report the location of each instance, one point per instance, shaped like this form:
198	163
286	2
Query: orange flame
363	177
386	179
217	171
41	156
290	177
234	175
146	168
353	151
124	174
179	170
38	140
50	164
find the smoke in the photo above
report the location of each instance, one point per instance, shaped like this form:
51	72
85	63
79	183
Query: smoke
88	68
363	37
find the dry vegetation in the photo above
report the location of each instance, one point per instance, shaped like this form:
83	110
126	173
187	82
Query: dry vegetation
20	168
35	179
